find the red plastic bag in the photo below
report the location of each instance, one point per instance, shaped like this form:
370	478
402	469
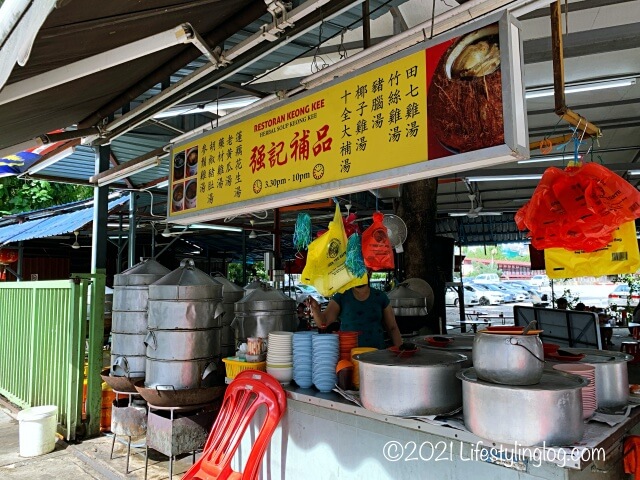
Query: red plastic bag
376	246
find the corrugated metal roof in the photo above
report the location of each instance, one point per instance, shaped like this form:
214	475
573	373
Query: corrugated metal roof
53	225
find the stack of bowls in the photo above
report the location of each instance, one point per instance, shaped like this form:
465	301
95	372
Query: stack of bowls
280	356
325	351
302	364
356	367
348	341
589	400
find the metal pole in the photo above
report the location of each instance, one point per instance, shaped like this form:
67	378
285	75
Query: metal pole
132	230
20	260
366	26
244	257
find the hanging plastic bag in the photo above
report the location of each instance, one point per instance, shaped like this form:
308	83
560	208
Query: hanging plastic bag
325	269
376	246
620	256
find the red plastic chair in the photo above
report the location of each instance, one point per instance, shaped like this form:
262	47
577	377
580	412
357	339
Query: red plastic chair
241	401
270	381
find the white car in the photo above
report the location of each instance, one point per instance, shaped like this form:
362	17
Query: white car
301	292
619	296
487	278
470	297
539	281
485	295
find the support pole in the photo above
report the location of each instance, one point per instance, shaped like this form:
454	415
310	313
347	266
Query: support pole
366	25
132	229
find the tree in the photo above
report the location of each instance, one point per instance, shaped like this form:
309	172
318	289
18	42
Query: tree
17	195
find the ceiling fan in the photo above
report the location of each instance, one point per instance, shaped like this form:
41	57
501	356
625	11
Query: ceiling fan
474	212
76	245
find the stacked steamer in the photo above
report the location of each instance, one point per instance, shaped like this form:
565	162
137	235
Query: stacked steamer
183	341
129	318
231	293
409	307
508	370
263	310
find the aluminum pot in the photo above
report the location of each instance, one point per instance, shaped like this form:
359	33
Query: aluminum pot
508	359
180	314
612	377
128	365
182	344
128	343
181	374
423	384
548	413
129	322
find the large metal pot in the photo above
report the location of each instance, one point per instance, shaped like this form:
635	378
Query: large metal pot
549	412
182	344
612	378
181	374
231	293
424	384
409	307
264	310
508	359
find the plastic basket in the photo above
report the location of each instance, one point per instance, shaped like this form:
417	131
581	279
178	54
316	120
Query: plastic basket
234	367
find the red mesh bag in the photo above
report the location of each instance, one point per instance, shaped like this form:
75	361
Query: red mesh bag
376	246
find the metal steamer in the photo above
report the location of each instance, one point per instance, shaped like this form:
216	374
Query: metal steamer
183	341
231	293
129	317
410	308
264	310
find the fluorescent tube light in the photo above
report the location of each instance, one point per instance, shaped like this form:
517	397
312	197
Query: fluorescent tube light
162	184
222	228
51	160
551	158
124	170
220	107
633	172
504	178
582	87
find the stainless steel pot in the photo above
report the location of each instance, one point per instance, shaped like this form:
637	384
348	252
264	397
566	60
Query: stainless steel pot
549	412
612	378
182	344
424	384
129	322
181	374
508	359
177	314
128	365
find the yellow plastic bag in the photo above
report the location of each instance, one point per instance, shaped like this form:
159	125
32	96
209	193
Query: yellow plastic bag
325	269
618	257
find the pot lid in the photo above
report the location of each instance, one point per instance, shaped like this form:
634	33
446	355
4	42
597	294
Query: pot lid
460	342
229	289
265	298
422	287
403	296
422	358
200	285
143	273
599	356
551	380
254	285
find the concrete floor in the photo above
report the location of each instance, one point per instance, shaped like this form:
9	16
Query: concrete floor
88	459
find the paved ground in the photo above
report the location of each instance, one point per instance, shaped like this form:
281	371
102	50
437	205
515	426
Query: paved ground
86	460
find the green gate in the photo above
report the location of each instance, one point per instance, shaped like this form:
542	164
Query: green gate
42	347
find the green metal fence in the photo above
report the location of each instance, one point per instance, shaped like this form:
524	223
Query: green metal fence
42	346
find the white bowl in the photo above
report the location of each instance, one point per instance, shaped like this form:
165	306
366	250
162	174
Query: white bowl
283	375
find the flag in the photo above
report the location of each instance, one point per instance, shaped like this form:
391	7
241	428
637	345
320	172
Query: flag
18	163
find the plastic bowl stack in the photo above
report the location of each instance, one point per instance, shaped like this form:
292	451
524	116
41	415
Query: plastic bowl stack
348	341
302	364
280	356
589	401
325	353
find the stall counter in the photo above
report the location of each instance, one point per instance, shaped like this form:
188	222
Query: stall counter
324	436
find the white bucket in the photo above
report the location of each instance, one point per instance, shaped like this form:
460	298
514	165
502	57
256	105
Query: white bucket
37	430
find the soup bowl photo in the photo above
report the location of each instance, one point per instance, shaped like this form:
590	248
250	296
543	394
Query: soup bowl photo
192	162
178	166
191	193
177	203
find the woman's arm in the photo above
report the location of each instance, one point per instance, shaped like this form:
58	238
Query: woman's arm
329	315
389	319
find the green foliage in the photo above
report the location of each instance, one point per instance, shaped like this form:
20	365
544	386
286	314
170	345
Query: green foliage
256	270
17	195
479	268
498	254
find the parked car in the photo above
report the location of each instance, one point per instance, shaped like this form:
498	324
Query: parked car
532	294
539	281
620	295
485	295
487	278
508	296
301	292
470	297
518	294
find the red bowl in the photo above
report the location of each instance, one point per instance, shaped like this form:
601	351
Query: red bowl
550	348
402	353
437	342
565	358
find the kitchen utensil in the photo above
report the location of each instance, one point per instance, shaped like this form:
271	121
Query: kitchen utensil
555	420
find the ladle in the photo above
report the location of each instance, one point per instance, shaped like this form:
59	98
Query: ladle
532	324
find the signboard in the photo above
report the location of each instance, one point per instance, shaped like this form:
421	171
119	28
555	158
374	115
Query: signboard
420	113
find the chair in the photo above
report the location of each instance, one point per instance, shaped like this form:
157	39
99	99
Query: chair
244	396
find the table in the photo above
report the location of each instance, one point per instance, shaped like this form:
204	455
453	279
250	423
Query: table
474	323
502	318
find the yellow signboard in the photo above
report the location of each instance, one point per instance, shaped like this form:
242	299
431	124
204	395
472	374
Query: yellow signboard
373	122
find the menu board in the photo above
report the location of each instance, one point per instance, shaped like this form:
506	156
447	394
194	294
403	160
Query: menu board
421	106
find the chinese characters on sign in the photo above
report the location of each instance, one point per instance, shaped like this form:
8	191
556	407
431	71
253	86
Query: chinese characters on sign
373	122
